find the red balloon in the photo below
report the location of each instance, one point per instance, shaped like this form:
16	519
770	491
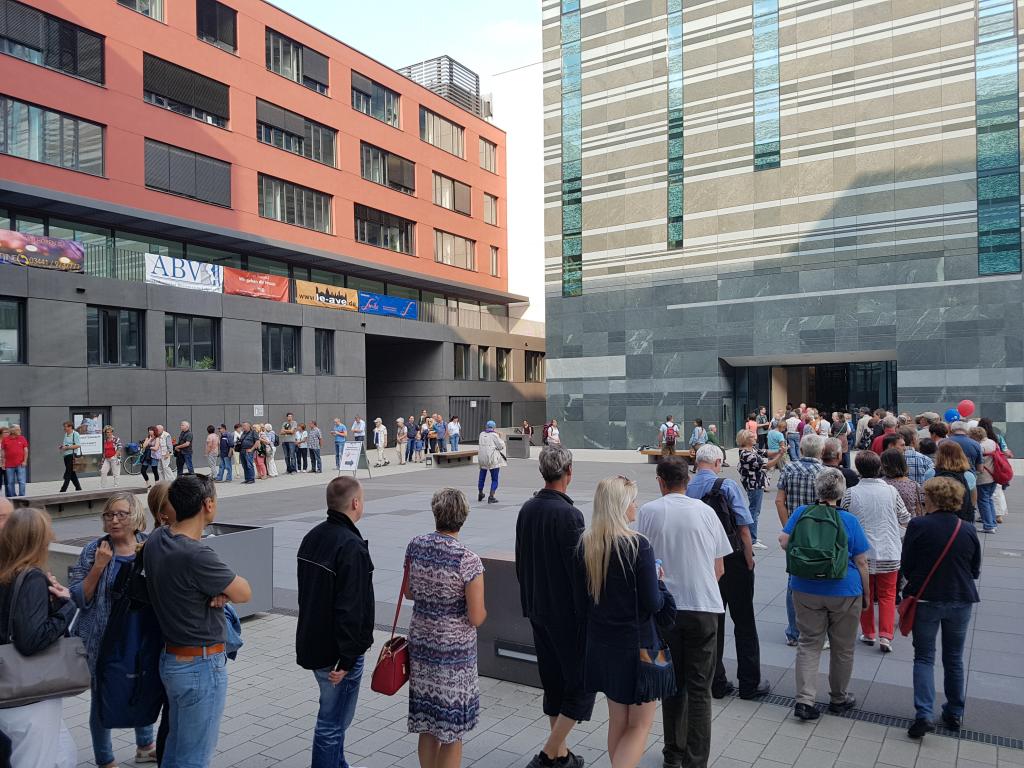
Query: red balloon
966	407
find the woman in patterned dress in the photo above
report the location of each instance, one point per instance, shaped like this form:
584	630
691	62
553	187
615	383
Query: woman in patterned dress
446	581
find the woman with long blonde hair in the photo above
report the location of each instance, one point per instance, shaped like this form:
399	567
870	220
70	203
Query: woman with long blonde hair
39	616
626	592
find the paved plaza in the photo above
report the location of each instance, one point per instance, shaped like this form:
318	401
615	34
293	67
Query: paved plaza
272	703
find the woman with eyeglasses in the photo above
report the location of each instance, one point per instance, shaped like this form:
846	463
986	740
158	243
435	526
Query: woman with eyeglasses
91	580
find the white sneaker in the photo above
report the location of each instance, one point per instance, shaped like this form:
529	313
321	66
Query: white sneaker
759	545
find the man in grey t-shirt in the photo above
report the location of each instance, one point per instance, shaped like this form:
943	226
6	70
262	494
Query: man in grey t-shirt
188	586
287	434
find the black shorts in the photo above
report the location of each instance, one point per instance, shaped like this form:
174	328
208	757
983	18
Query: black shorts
560	663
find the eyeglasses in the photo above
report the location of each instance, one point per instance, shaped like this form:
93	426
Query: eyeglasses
111	516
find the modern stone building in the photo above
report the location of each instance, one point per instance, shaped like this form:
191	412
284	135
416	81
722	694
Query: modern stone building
760	202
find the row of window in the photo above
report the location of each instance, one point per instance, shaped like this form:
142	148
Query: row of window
28	33
116	337
46	136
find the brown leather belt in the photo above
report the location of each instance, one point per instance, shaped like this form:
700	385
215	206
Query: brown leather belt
184	652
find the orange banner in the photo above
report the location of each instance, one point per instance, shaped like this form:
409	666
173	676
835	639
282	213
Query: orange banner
257	284
323	295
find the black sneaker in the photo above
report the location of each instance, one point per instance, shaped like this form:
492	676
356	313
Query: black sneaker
492	500
843	706
570	761
763	689
480	496
951	721
919	728
720	693
806	712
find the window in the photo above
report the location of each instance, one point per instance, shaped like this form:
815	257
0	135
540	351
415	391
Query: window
461	362
280	348
488	155
217	24
114	337
440	132
294	133
572	148
146	244
190	342
674	199
189	174
323	343
451	194
402	291
495	265
534	366
767	141
373	99
297	62
490	209
292	204
152	8
12	331
503	364
483	369
391	170
454	250
48	41
385	230
36	133
185	92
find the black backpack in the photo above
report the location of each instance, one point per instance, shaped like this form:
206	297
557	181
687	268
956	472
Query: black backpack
718	502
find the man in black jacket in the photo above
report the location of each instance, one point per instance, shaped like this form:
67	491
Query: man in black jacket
336	605
552	587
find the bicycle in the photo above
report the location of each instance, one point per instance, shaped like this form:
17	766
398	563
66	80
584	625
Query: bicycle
132	462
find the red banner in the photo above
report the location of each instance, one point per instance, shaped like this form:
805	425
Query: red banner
257	284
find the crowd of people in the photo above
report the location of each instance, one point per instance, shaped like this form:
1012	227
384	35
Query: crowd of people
632	606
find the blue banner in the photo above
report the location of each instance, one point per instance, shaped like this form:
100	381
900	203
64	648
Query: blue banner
393	306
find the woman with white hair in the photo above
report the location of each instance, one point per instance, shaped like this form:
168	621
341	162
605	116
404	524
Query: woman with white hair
828	607
401	438
380	441
623	647
91	582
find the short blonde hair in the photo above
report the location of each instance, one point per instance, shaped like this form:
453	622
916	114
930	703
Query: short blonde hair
136	513
745	436
450	509
945	493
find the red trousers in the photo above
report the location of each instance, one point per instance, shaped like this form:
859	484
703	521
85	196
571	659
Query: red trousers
883	589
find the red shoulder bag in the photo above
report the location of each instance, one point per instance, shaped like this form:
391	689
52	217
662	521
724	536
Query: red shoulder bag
908	605
392	670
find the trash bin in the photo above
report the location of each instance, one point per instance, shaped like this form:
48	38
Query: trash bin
517	446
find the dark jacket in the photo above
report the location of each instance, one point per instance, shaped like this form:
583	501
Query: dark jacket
631	596
39	619
552	583
336	603
226	444
954	579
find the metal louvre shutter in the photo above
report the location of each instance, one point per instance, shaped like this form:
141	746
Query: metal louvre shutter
25	25
395	172
227	26
362	84
182	172
213	180
90	56
210	96
294	123
51	50
3	17
462	198
157	165
270	114
409	174
166	79
315	65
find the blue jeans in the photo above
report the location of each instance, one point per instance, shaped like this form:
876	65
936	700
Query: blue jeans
494	479
953	618
225	466
248	466
754	498
15	480
409	450
196	691
102	748
442	443
454	439
794	446
290	455
337	707
337	453
986	507
791	631
315	465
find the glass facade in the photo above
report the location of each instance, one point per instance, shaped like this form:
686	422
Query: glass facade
998	140
767	142
675	124
45	136
572	150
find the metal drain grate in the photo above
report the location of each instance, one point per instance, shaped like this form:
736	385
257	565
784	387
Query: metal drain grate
902	722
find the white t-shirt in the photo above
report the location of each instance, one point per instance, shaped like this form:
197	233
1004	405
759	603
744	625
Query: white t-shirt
824	428
687	537
792	424
454	428
553	436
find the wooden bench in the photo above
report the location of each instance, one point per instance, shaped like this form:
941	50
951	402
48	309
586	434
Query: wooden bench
73	503
453	458
654	455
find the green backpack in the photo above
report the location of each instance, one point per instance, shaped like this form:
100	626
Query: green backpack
818	547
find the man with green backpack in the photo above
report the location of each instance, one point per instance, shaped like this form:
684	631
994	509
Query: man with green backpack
826	558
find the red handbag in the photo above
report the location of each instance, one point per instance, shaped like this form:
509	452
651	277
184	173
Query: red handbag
907	608
392	670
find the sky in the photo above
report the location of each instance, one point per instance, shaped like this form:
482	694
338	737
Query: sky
501	42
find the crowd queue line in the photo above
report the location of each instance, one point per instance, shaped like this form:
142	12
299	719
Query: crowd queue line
650	586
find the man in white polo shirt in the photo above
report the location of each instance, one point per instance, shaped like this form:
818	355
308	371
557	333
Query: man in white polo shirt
686	535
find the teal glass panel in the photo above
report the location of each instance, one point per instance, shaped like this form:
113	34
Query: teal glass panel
674	235
767	126
572	150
